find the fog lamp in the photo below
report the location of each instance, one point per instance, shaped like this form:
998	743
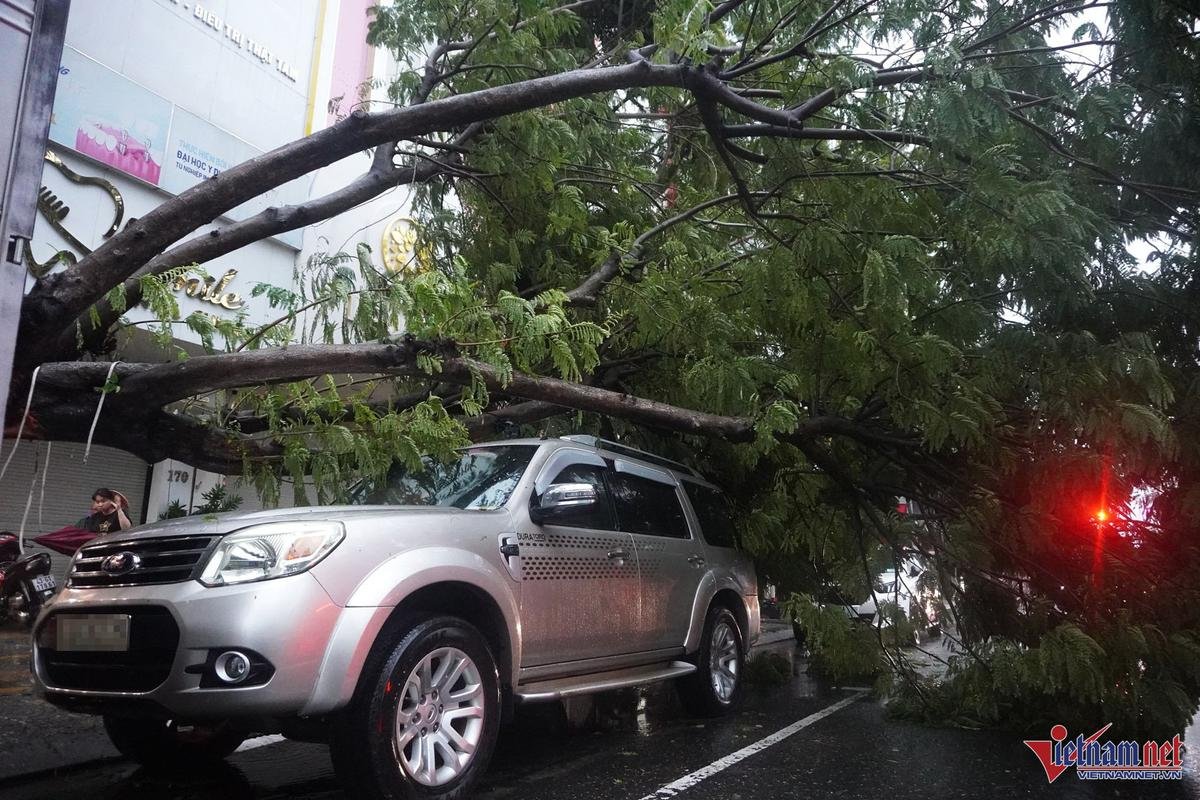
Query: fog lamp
232	667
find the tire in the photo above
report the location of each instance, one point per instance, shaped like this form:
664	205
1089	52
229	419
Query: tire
714	688
161	743
398	738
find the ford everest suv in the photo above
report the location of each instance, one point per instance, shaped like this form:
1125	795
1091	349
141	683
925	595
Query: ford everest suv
402	628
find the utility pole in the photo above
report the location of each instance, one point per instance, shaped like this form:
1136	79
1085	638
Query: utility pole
31	43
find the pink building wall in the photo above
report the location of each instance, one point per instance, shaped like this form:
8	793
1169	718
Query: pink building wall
353	59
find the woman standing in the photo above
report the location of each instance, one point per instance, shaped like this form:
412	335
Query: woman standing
108	512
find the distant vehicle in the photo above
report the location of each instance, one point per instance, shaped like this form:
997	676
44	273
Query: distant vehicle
403	628
901	593
886	592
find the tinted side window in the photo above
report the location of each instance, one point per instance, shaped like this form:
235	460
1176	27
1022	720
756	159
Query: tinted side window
646	506
598	516
712	510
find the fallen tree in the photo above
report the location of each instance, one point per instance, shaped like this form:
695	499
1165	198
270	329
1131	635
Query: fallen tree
833	254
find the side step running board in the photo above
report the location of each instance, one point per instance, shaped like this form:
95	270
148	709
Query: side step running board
558	688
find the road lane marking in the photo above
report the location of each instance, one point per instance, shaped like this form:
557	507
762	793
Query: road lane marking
260	741
693	778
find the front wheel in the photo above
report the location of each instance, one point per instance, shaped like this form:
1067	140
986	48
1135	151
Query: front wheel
424	720
716	684
168	743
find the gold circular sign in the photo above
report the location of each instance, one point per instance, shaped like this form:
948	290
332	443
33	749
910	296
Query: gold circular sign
398	248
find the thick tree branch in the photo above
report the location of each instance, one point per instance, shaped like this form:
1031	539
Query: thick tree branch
67	392
152	434
705	84
57	300
713	123
60	300
381	177
719	12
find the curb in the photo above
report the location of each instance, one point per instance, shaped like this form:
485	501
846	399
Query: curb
775	635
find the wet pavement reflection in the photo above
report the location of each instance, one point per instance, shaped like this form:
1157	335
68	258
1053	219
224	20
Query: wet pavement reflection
631	741
627	744
618	742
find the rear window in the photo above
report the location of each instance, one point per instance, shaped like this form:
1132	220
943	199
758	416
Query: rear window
712	510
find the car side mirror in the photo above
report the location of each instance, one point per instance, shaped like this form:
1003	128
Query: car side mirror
559	499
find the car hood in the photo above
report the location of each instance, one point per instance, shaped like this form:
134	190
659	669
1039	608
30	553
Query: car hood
209	524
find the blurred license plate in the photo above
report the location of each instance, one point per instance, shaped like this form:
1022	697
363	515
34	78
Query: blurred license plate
43	583
93	632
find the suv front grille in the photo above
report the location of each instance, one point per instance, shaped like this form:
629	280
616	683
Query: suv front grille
153	638
170	559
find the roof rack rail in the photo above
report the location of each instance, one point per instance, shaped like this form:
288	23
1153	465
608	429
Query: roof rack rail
624	449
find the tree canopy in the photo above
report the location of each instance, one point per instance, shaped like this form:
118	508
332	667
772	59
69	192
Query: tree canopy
831	253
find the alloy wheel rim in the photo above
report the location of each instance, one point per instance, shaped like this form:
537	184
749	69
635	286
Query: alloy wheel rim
439	718
723	661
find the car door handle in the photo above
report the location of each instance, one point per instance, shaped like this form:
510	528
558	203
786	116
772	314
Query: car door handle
696	561
618	555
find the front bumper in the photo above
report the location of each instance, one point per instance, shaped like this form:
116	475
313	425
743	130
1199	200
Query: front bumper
288	621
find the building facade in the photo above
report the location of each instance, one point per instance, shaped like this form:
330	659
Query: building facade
155	96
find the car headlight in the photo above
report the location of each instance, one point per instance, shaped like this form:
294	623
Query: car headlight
271	550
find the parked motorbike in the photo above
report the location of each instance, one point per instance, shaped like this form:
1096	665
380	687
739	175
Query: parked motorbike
25	582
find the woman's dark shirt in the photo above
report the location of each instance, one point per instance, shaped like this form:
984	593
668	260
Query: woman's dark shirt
100	523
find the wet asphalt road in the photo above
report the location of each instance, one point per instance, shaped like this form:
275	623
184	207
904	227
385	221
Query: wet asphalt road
631	744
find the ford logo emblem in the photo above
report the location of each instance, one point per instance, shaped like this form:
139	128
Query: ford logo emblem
121	563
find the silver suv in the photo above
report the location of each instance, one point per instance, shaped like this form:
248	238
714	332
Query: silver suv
402	628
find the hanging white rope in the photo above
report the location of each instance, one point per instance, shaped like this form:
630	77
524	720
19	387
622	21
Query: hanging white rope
21	427
28	503
42	496
103	394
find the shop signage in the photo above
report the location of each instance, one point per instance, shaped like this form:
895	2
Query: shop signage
55	211
255	48
399	250
210	290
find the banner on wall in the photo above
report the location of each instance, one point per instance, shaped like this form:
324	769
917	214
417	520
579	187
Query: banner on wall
110	119
106	117
199	151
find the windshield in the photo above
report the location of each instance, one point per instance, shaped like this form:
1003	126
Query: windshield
481	478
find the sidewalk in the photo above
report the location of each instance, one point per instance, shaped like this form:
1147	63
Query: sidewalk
773	632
